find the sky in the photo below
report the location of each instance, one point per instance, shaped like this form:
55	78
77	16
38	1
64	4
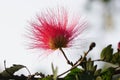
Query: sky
14	21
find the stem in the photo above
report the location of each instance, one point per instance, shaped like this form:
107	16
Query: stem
75	65
28	70
66	57
79	61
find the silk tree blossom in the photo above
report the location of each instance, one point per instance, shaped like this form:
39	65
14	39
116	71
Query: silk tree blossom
119	46
55	29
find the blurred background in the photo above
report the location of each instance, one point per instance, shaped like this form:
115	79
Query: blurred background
103	17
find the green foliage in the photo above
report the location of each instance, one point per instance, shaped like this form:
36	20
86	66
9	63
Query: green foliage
88	71
47	78
74	74
116	58
8	72
107	53
108	73
85	70
99	78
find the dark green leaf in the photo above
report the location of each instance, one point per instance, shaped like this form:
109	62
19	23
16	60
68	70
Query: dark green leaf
78	74
89	65
99	78
87	75
108	73
10	71
97	72
47	78
116	58
74	74
107	53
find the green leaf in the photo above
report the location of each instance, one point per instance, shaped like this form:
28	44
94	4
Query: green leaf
89	65
97	72
54	70
116	58
47	78
99	78
74	74
108	73
87	75
10	71
78	74
107	53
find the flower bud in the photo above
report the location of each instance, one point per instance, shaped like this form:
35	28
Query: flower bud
119	46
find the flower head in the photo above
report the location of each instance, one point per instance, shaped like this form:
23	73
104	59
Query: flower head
56	29
119	46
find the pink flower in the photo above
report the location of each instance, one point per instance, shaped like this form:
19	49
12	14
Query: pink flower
119	46
56	29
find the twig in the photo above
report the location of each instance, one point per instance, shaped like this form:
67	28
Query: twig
74	66
28	70
80	60
66	57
